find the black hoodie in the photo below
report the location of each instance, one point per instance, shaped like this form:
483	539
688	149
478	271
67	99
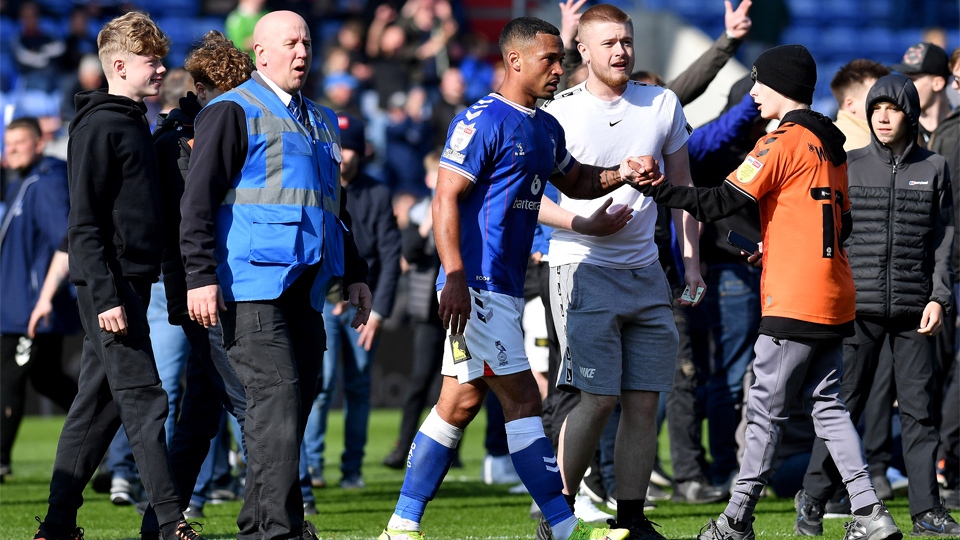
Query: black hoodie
115	223
903	227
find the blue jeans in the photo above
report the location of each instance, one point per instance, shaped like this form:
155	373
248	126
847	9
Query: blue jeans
734	311
341	338
171	349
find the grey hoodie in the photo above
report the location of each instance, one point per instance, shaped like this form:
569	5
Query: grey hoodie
903	226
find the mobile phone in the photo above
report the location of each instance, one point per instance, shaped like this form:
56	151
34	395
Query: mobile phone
693	299
740	241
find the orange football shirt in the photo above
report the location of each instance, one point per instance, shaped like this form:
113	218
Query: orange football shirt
801	195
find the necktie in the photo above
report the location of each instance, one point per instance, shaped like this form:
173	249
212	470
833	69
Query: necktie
295	109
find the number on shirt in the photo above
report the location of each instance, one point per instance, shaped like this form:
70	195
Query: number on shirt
831	229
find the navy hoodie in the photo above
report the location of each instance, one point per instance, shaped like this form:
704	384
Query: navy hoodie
115	224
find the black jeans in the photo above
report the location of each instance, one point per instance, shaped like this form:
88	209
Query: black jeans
276	348
212	387
44	371
428	342
913	363
118	384
685	405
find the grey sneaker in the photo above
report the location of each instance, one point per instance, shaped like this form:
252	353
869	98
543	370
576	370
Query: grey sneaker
809	515
936	522
882	486
879	525
720	529
698	491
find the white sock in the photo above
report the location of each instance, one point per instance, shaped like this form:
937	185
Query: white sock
563	530
398	523
439	430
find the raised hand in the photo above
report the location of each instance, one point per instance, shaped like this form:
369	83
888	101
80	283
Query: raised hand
736	22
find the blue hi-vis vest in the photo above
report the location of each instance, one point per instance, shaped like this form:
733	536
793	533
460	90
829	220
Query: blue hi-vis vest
281	214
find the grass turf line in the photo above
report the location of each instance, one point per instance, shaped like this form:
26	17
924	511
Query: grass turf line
465	508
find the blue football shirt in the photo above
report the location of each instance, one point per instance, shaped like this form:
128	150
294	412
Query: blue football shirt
509	152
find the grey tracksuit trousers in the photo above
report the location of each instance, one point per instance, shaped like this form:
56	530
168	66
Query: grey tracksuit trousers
808	370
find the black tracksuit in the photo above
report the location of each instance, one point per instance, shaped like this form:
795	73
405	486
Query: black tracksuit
115	241
899	251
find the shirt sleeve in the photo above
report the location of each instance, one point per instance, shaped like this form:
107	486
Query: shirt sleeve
468	147
219	152
762	169
562	156
679	129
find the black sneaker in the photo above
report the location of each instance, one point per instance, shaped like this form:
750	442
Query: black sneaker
309	531
310	508
592	484
879	525
640	528
838	506
936	522
720	529
882	486
186	531
43	533
396	459
698	491
544	532
809	515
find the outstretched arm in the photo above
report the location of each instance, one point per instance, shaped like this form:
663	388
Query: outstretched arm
589	181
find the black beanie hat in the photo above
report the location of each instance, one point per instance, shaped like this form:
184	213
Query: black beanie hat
788	69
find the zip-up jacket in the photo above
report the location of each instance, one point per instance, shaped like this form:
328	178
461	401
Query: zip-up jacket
34	225
902	207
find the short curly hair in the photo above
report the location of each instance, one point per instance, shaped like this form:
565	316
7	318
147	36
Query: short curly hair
217	61
133	33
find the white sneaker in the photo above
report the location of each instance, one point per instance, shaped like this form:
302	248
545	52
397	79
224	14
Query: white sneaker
123	492
584	509
499	470
518	489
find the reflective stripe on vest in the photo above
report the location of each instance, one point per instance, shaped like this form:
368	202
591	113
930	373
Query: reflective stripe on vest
272	126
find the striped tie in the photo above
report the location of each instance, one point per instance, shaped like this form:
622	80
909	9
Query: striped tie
294	107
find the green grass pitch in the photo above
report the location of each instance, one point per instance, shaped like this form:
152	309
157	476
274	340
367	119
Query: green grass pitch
465	508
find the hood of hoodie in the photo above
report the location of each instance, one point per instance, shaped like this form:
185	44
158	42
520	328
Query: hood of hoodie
94	100
900	91
823	127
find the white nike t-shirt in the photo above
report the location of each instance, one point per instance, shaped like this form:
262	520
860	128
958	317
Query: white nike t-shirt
645	120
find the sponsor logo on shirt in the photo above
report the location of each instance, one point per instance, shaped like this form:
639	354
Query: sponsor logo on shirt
453	155
748	170
461	135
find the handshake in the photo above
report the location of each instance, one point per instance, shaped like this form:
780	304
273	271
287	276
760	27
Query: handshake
641	172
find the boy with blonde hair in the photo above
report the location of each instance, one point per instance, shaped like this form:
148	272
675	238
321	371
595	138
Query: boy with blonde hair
115	239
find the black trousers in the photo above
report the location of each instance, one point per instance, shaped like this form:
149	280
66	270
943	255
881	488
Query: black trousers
42	368
119	384
913	371
685	405
276	348
212	387
429	338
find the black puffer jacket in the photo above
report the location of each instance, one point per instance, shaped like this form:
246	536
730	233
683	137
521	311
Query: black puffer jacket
903	228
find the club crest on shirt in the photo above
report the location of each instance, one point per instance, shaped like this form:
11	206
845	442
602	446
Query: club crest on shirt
461	135
748	170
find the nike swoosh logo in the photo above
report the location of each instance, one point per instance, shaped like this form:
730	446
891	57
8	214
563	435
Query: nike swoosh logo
615	123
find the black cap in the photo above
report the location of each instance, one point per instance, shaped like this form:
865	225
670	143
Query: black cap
351	132
924	59
788	69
